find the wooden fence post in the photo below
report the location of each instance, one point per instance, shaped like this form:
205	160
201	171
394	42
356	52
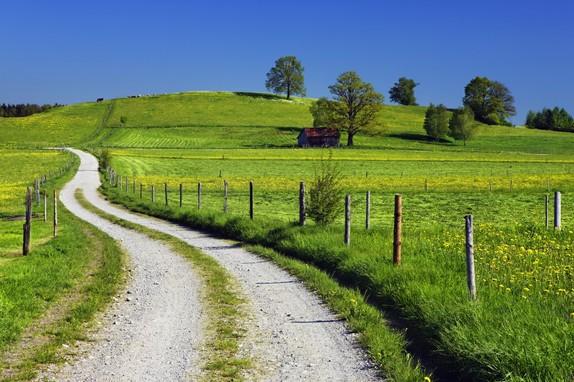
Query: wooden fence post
55	220
153	194
347	238
27	225
199	189
180	195
426	185
368	211
510	184
398	230
302	212
45	206
251	199
165	193
141	191
37	190
225	193
546	210
470	275
127	184
557	210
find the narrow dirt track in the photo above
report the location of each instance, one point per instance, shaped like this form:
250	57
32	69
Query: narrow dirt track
154	330
295	337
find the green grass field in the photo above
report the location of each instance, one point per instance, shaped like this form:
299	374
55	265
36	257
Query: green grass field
522	326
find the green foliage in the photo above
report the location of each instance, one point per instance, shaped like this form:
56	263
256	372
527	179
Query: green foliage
324	200
286	77
354	106
491	101
436	121
462	125
322	112
105	159
550	119
403	92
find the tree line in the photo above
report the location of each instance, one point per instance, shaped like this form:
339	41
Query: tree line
24	109
354	103
550	119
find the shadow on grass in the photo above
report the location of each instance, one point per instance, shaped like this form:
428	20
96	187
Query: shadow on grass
259	95
420	138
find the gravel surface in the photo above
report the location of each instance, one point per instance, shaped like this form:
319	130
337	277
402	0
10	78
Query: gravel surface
294	338
153	331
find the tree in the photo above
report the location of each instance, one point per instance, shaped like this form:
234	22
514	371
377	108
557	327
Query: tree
403	91
354	106
286	77
550	119
461	125
436	121
491	101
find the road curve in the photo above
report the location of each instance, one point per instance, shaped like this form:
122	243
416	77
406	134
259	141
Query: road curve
295	338
153	331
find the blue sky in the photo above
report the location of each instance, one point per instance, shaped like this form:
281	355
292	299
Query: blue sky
69	51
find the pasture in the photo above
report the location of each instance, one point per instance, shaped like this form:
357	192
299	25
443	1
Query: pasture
525	275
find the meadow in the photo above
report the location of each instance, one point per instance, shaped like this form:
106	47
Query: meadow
521	328
18	171
525	275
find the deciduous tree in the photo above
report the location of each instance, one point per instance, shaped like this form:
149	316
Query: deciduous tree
491	101
462	125
354	106
403	91
286	77
436	121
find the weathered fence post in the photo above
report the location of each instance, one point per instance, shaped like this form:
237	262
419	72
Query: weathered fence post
302	212
348	220
141	191
199	187
398	230
180	195
557	210
55	220
368	211
490	185
134	185
153	194
426	185
251	199
470	275
27	225
225	190
546	210
165	193
45	206
37	190
511	185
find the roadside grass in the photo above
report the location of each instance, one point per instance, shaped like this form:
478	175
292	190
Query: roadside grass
222	358
52	294
519	329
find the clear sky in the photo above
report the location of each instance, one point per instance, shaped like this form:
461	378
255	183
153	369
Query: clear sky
68	51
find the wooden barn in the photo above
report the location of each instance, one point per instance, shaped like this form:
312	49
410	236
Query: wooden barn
319	137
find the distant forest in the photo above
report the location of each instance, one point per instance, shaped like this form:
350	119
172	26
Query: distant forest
23	110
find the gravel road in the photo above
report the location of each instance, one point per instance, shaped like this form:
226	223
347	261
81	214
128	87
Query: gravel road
294	338
154	330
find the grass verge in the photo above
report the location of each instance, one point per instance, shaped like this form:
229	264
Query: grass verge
222	360
385	345
48	298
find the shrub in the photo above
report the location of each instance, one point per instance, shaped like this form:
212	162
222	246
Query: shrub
324	200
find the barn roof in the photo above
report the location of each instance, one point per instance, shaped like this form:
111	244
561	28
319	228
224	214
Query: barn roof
320	132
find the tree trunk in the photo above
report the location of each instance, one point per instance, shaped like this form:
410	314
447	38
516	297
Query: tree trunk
288	90
350	139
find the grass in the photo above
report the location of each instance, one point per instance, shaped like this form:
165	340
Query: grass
52	294
19	169
63	126
428	290
222	360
